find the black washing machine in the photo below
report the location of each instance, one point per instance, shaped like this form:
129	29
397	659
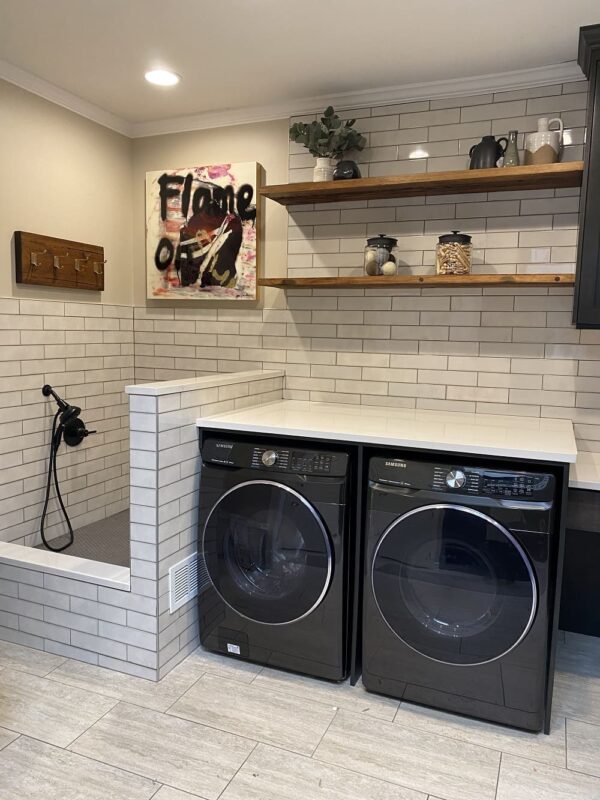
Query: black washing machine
274	539
458	588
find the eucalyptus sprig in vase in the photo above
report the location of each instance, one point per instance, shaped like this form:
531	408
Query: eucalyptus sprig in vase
328	139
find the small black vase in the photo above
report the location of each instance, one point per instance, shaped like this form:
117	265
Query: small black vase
346	170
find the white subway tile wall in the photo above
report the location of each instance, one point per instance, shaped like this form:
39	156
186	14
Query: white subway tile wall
109	627
502	351
85	351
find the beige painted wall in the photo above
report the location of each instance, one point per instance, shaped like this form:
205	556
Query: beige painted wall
68	177
265	142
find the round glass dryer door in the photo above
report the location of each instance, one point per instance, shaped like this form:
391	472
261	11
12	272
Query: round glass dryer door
453	584
267	552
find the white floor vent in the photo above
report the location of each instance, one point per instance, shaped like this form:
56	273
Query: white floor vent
183	582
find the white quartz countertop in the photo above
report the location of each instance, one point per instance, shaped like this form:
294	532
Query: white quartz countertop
527	438
585	474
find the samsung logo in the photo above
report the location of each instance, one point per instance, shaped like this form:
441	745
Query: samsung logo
399	464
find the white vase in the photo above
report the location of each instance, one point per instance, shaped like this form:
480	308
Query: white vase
544	146
323	170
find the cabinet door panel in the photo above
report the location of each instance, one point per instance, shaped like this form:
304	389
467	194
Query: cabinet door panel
586	312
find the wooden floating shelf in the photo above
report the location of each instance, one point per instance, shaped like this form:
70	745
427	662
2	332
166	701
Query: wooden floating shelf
499	179
413	281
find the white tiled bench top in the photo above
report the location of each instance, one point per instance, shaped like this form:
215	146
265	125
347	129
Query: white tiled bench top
204	382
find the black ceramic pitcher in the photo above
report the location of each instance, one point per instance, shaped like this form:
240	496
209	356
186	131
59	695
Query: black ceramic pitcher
485	154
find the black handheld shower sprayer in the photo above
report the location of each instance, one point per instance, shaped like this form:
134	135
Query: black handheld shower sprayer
68	427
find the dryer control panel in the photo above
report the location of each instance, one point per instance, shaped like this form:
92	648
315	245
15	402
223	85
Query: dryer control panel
274	458
465	480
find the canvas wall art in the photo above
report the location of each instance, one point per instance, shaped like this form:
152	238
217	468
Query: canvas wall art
201	232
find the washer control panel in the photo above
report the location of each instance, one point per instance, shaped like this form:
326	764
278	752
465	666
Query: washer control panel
274	458
464	480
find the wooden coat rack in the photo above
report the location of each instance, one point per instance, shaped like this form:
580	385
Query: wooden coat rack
47	261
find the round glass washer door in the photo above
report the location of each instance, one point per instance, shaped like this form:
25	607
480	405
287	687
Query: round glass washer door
454	584
267	552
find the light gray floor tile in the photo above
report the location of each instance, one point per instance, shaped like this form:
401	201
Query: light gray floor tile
256	712
6	737
577	697
168	793
47	710
521	779
582	642
181	754
340	695
38	771
24	659
579	655
409	757
549	749
583	747
150	694
272	774
223	666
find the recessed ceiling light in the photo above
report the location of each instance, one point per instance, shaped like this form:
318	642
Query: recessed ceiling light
162	77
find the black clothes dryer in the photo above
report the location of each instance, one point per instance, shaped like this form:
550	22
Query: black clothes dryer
274	541
457	597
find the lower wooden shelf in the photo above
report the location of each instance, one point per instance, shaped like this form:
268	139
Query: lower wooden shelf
367	281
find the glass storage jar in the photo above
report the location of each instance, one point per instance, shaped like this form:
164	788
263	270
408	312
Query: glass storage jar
381	255
453	254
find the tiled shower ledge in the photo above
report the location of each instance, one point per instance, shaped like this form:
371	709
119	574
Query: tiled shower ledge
202	382
81	569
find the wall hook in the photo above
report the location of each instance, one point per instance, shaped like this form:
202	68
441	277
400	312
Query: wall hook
79	262
34	259
99	267
56	262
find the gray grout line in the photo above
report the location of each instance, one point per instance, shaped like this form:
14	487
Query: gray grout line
498	777
329	724
238	770
79	735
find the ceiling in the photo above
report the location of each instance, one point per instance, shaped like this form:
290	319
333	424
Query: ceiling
242	54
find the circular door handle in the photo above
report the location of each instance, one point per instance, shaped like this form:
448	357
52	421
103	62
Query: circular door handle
269	458
456	479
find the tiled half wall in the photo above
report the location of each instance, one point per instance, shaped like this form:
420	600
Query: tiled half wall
165	463
499	351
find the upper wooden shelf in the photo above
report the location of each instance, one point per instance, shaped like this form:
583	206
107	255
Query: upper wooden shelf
542	176
414	281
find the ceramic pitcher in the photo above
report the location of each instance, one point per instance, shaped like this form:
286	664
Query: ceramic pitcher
544	146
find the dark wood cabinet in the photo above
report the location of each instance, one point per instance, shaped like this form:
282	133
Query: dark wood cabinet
586	313
580	598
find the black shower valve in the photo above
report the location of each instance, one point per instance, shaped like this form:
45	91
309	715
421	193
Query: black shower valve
74	432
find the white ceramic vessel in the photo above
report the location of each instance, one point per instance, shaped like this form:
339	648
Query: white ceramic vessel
323	170
544	146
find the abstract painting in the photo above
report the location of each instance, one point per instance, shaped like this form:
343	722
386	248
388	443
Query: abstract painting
201	232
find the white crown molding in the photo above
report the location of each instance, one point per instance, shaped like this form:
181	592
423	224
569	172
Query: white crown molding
566	72
48	91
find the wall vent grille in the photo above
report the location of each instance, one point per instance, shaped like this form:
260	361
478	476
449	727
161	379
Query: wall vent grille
183	582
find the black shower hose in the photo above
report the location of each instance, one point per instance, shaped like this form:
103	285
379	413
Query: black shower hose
57	432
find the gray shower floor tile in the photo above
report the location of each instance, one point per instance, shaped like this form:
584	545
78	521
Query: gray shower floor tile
105	540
